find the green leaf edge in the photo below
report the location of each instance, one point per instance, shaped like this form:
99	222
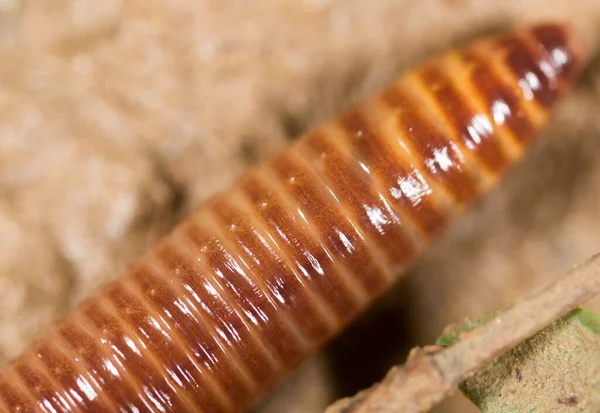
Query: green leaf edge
589	320
452	333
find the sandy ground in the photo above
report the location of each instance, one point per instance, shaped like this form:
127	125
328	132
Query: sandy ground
117	117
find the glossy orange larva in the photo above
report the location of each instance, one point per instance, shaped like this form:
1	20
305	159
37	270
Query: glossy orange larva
261	276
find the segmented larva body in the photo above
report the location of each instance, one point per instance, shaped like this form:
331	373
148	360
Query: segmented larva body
257	279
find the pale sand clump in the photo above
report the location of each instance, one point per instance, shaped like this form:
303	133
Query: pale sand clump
557	370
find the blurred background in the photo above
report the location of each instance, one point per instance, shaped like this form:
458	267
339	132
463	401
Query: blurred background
117	117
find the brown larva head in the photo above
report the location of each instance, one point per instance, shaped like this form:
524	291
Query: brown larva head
514	79
544	59
492	98
563	46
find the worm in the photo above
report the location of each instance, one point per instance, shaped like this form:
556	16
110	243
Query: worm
263	274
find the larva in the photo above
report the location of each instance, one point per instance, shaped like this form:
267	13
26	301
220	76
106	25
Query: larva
257	279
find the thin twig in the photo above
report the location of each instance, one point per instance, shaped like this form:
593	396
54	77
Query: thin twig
432	373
